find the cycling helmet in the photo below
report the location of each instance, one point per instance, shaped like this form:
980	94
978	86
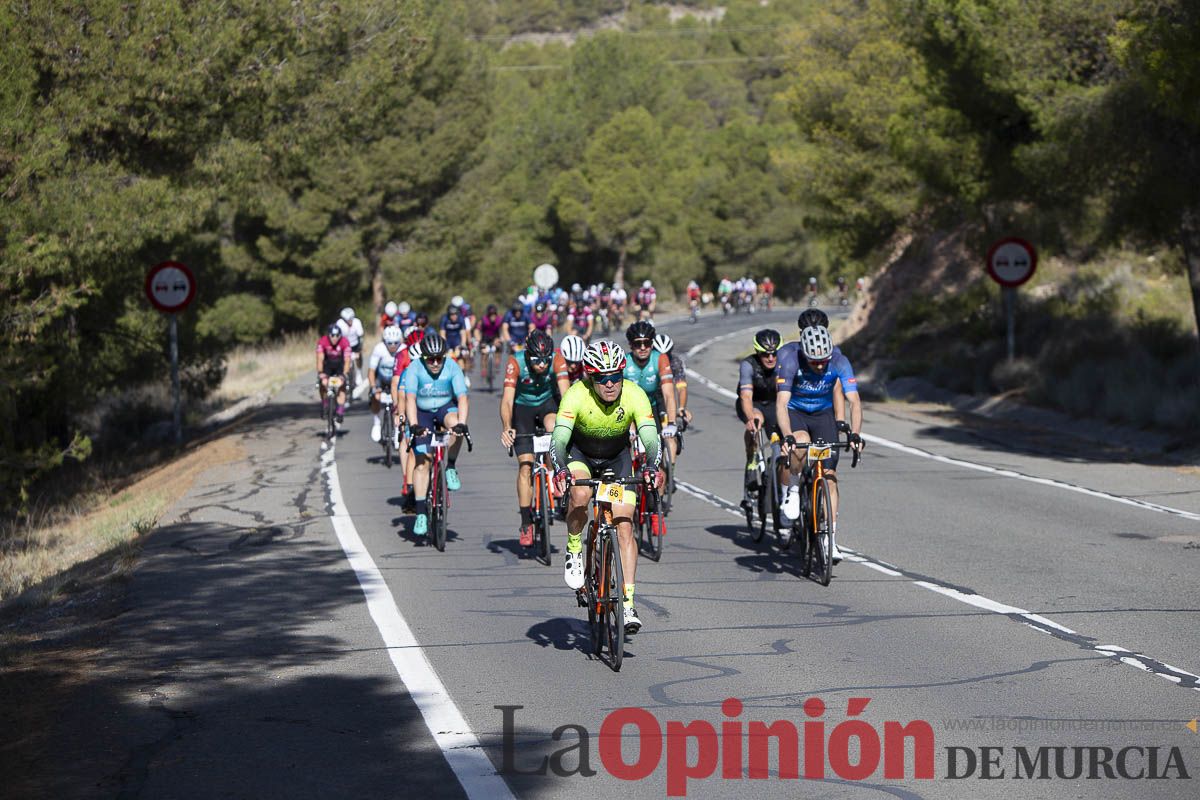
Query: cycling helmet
539	345
572	348
404	307
392	335
766	341
415	335
422	319
347	313
816	344
575	287
812	280
453	309
433	345
334	330
587	296
414	351
663	343
642	329
390	308
603	356
491	309
646	284
540	308
518	306
811	317
456	301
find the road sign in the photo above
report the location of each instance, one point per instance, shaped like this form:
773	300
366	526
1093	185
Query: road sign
1011	261
170	286
545	276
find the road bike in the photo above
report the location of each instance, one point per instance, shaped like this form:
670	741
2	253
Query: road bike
650	510
764	494
694	311
329	405
603	592
438	496
543	496
487	366
387	428
814	530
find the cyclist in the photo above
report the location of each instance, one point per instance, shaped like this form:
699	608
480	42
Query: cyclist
466	353
591	434
651	370
693	295
384	368
664	344
487	332
841	286
515	329
405	316
352	331
768	292
528	401
581	319
542	318
616	301
724	290
809	406
812	291
421	320
436	393
411	354
568	362
454	330
647	300
333	357
755	405
388	317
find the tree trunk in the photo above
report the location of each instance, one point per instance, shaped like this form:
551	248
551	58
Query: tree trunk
619	275
375	272
1190	239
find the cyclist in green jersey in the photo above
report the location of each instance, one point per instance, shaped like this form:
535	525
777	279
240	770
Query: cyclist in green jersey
591	434
528	401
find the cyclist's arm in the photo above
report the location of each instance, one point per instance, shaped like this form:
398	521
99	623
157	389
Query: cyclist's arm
504	335
746	388
781	412
564	426
839	401
562	375
397	390
458	385
320	360
667	382
511	373
647	430
410	390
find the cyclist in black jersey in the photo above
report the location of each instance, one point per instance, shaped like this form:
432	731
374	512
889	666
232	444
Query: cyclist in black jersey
757	388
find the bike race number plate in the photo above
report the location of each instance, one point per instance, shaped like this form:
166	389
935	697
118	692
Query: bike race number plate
335	382
819	452
541	444
612	492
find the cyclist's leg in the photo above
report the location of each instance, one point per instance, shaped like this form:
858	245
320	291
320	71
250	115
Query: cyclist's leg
523	418
420	475
622	465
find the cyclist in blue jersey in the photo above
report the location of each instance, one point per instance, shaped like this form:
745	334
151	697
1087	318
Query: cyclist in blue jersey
435	393
454	330
810	405
515	328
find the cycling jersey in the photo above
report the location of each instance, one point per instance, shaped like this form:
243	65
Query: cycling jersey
384	363
693	293
518	328
543	322
565	369
335	354
433	393
651	375
581	317
762	382
812	392
600	430
453	331
532	389
352	331
678	369
489	327
406	321
646	297
618	297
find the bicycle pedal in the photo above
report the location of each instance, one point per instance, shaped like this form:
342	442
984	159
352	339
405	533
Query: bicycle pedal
581	598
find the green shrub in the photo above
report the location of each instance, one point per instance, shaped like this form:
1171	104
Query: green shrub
237	318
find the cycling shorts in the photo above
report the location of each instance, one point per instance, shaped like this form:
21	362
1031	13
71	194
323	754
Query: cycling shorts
356	348
766	409
621	465
429	420
819	425
526	419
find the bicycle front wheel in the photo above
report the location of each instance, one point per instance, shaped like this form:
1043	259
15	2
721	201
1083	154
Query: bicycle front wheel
544	516
766	501
593	580
387	440
614	601
823	532
439	507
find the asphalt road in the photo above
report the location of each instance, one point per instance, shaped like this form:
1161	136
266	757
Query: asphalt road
984	604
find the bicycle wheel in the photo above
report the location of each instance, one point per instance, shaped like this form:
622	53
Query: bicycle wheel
657	535
544	515
802	534
823	532
330	427
614	601
438	510
387	439
595	553
665	498
490	370
766	501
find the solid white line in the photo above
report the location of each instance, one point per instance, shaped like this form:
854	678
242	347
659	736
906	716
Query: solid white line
446	723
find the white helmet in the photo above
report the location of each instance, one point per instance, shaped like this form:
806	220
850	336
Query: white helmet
646	284
604	356
347	313
414	351
392	335
456	301
815	343
812	279
572	348
575	287
404	307
663	343
389	308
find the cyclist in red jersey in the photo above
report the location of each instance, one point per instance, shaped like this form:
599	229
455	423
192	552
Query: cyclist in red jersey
333	356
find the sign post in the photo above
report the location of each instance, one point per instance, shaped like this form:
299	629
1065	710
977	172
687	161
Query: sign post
1011	262
545	276
171	287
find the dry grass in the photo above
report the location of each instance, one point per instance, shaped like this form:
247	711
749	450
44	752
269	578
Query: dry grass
267	368
98	537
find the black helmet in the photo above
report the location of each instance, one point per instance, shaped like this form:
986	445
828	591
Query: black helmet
433	345
538	345
642	329
766	341
540	307
422	319
491	309
453	310
811	317
517	306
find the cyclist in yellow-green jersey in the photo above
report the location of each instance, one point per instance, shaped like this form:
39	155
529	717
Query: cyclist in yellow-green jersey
591	435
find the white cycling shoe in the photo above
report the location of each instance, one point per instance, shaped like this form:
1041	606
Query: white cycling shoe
376	430
573	569
791	504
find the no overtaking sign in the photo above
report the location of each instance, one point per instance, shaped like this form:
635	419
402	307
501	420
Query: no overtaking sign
170	286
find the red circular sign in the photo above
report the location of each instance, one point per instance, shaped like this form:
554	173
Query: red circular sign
170	286
1011	261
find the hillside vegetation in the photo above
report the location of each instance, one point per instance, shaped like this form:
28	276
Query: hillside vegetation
305	154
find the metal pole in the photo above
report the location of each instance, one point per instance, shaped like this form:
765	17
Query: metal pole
1010	313
176	418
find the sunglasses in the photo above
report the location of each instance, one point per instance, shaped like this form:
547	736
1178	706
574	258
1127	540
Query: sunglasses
609	379
434	359
821	363
769	355
539	361
639	344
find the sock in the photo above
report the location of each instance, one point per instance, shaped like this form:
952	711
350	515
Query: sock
341	410
420	506
526	515
628	595
450	461
574	542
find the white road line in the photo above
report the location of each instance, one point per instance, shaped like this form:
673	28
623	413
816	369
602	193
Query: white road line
446	723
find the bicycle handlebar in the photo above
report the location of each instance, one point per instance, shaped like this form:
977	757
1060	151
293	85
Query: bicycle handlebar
512	447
